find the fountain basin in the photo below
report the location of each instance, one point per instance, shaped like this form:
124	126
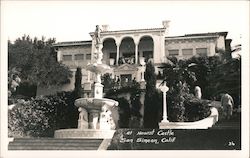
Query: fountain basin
95	103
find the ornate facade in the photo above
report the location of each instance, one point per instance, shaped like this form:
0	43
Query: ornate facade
126	51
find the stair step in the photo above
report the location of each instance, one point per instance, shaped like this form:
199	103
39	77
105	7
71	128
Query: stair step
54	144
50	148
55	140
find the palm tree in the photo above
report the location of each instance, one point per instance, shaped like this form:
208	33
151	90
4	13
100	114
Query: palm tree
176	71
179	78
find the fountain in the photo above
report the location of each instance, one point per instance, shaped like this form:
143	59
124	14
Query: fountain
98	117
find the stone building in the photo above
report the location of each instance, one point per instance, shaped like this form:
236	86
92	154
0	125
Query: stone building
127	50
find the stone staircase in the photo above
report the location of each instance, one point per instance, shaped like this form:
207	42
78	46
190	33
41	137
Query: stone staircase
227	125
232	123
54	144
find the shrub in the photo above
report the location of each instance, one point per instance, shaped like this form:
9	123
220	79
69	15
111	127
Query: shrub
129	113
124	112
175	100
196	109
183	106
30	118
41	116
78	83
151	102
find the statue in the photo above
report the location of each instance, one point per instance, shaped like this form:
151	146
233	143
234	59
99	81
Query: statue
227	105
98	55
83	118
197	92
106	119
97	35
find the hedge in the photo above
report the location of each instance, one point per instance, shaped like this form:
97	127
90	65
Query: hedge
41	116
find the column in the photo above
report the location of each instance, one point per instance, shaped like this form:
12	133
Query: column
59	56
117	52
136	52
88	80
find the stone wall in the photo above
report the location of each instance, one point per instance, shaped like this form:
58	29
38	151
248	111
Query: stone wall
74	50
180	44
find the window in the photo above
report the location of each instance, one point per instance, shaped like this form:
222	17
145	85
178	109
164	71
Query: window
88	56
187	52
174	52
201	51
79	56
67	57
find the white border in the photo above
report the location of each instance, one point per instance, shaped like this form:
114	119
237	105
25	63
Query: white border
244	153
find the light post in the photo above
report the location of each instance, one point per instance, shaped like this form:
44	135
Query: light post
164	90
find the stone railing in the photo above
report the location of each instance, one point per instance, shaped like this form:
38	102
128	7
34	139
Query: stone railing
201	124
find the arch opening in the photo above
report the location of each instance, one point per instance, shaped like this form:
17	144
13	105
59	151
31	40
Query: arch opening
109	51
127	51
146	48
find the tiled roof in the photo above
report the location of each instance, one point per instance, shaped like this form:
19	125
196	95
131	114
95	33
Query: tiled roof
135	30
197	35
75	43
209	34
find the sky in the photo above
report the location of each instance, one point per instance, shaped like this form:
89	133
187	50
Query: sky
72	21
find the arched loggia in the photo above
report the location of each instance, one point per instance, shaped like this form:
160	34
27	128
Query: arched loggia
127	51
109	51
146	47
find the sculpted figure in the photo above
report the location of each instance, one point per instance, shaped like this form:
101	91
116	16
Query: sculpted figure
227	105
197	92
97	35
106	121
83	119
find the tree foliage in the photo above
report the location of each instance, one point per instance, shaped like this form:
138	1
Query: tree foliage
78	83
218	74
41	116
129	110
37	62
124	112
180	77
214	75
176	71
13	80
151	102
204	69
227	78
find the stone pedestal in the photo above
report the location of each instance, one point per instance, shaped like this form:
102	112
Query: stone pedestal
98	90
143	85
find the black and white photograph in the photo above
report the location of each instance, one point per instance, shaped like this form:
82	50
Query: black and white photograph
125	78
